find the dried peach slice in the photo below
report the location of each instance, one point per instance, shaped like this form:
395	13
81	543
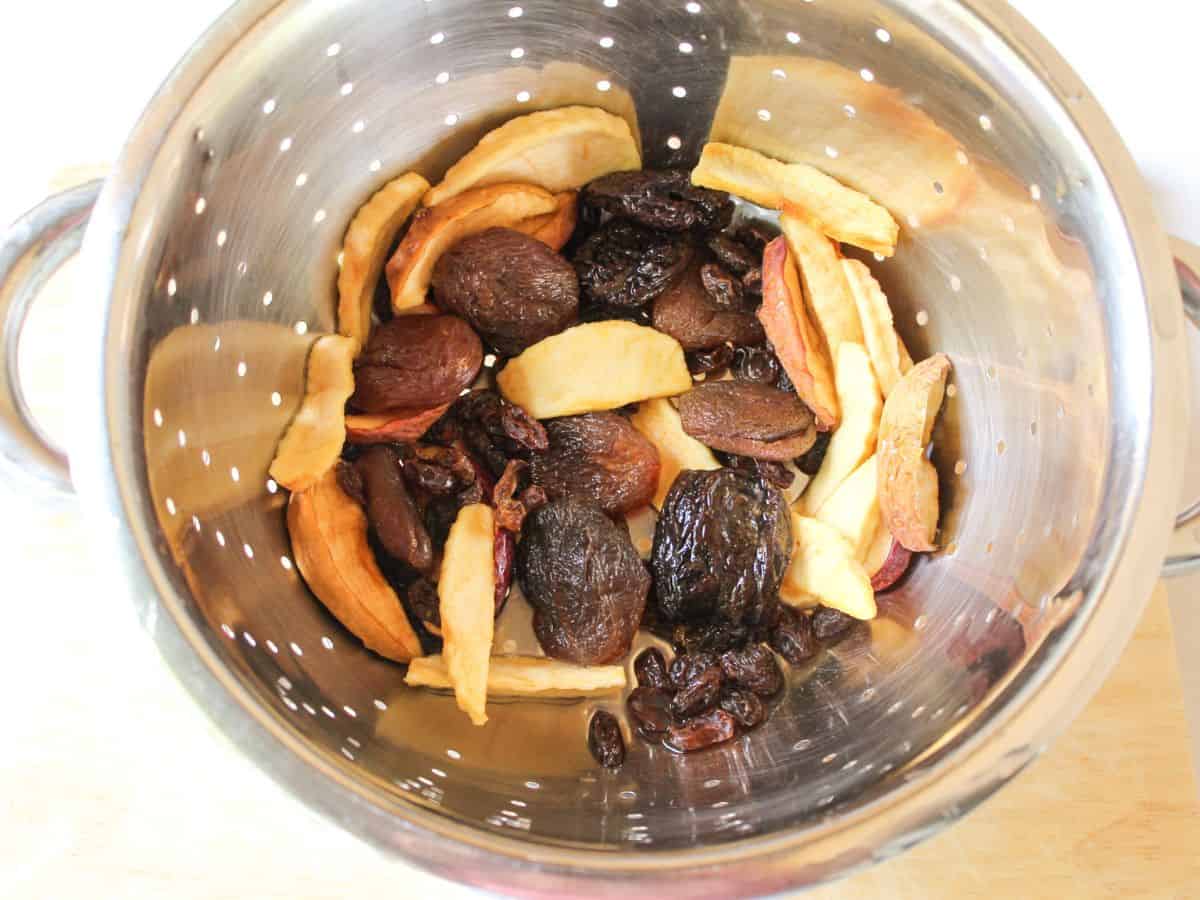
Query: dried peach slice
554	229
908	484
434	231
365	248
889	358
659	421
886	560
837	211
824	566
467	603
314	439
329	544
557	149
525	676
826	290
593	367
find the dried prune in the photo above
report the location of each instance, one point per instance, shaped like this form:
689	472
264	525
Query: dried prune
585	581
664	199
511	287
744	706
599	457
416	362
710	362
650	669
710	637
773	473
625	265
792	637
697	679
810	462
390	509
756	364
733	254
605	740
831	625
687	312
748	419
754	668
755	235
504	549
721	547
714	727
651	709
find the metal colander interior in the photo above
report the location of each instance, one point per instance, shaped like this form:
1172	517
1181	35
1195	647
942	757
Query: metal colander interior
1003	210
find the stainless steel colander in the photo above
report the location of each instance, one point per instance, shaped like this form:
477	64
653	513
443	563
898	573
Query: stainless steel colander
1029	253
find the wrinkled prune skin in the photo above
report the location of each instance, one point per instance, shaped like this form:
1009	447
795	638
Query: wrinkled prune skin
748	419
662	199
773	473
697	679
733	254
690	314
721	547
714	727
651	709
650	669
605	740
390	509
753	668
710	362
810	462
599	457
756	364
492	430
512	288
793	638
710	637
725	291
625	265
745	707
831	625
585	581
416	362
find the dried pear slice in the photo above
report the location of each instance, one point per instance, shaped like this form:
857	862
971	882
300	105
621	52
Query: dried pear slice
466	601
434	231
314	439
557	149
525	676
365	248
329	544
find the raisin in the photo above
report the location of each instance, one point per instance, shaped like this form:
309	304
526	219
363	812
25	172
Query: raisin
510	511
748	419
625	265
422	598
831	625
755	236
756	364
792	638
753	668
732	254
664	199
810	462
430	478
650	668
416	362
723	289
710	637
504	549
714	727
605	740
710	362
697	679
776	474
744	706
651	709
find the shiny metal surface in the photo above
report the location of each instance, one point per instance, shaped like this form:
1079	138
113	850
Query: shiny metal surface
1029	253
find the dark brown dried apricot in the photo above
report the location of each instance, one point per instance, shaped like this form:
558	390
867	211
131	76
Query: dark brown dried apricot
748	419
416	362
687	312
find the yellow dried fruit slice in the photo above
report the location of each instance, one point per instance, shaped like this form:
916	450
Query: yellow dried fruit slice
314	440
854	508
434	231
466	601
678	451
889	358
824	566
525	676
554	229
329	544
557	149
839	212
826	290
365	247
593	367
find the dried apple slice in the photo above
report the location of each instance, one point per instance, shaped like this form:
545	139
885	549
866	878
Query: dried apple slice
401	426
824	566
554	229
365	247
854	508
854	441
837	211
798	344
886	559
908	484
659	421
888	355
593	367
525	676
467	604
434	231
314	439
557	149
826	290
329	544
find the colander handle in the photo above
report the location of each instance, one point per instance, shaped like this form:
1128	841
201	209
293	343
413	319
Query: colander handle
31	250
1187	264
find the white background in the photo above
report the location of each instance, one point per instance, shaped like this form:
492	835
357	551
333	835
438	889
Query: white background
110	782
